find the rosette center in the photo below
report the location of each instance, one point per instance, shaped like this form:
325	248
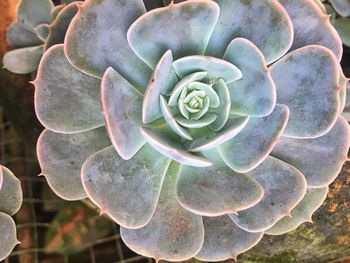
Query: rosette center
195	100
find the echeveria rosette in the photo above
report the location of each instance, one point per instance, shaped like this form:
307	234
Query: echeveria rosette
192	126
39	25
10	202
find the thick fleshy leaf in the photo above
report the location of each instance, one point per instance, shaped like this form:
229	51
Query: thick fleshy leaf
162	82
91	46
173	233
183	28
11	196
177	90
58	29
57	9
171	122
170	145
8	235
342	98
127	191
201	90
19	36
254	143
224	240
255	94
66	100
216	190
200	123
319	159
342	25
307	82
284	187
312	26
343	83
301	213
23	60
61	157
216	68
42	31
223	110
321	5
34	12
271	30
341	6
212	139
346	109
122	107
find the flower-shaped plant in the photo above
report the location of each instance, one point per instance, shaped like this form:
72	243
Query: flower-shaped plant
39	26
10	202
224	120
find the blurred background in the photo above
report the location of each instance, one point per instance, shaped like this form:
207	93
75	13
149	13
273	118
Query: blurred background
55	231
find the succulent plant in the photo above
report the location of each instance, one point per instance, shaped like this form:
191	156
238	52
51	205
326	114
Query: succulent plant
199	126
39	25
10	202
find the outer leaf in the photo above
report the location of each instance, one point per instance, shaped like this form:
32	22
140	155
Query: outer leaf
284	187
346	113
312	74
127	191
169	144
162	82
255	142
341	6
301	213
34	12
255	94
343	82
224	240
320	159
216	190
23	60
173	233
91	46
8	235
57	9
19	36
61	157
42	31
312	26
216	68
59	27
11	196
66	100
122	107
183	28
342	25
271	31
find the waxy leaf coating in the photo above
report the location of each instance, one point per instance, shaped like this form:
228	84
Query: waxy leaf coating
222	117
